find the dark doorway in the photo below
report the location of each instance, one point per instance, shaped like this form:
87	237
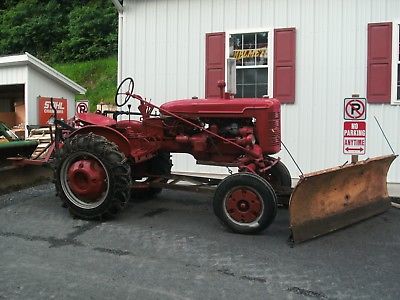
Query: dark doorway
12	105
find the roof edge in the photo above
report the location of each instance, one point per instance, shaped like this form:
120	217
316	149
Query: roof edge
10	60
118	5
54	73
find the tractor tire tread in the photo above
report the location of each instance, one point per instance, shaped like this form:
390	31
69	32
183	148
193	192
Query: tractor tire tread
117	167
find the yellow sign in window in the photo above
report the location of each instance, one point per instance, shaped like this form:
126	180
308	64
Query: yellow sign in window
250	53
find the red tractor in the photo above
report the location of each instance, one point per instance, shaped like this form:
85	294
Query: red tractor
101	163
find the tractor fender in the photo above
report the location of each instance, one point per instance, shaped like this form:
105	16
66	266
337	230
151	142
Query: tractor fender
110	134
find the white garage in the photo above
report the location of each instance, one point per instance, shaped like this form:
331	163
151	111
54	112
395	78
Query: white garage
316	53
25	84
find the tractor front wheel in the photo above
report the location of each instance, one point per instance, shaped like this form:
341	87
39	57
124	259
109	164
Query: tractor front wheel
245	203
92	177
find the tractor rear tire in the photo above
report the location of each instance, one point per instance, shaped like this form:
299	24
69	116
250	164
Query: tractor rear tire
92	177
245	203
158	165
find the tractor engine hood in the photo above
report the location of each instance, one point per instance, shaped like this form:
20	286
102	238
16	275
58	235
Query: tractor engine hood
220	107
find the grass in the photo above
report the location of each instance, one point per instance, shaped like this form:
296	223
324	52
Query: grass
99	77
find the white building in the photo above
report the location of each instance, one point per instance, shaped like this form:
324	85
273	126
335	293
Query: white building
24	79
318	53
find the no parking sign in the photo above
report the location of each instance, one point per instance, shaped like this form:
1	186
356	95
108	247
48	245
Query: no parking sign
355	130
355	108
82	106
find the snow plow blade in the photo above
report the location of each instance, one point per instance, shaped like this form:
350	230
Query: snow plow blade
331	199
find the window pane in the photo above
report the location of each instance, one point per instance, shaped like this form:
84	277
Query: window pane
261	75
262	39
239	91
249	76
262	89
249	91
237	41
239	76
262	42
249	41
262	61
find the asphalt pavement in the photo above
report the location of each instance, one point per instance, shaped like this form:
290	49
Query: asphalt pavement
172	247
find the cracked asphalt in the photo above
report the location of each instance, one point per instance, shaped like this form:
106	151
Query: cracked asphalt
172	247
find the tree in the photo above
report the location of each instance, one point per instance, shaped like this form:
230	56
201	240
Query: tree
58	30
92	33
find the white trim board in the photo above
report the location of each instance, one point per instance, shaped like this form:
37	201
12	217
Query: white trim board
31	61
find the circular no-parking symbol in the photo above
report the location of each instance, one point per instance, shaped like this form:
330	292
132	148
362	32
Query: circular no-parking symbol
82	107
355	109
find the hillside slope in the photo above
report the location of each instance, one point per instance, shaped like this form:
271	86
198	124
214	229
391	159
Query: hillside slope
99	77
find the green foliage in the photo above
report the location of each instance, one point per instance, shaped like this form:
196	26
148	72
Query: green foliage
59	30
99	77
28	26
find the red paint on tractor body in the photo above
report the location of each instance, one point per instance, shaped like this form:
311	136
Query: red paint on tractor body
239	132
265	111
95	119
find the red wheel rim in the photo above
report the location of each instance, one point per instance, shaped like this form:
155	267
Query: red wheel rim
244	205
87	179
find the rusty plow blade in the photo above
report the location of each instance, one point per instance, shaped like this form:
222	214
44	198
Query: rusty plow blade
334	198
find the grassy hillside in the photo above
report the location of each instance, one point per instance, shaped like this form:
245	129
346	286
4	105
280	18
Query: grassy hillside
99	77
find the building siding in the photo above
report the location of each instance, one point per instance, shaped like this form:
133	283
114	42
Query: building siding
40	85
13	75
163	49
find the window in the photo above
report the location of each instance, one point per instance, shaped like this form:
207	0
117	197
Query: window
250	51
265	61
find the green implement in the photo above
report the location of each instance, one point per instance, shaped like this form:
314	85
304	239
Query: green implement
13	146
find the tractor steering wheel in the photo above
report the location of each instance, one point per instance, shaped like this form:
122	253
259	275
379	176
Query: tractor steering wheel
124	92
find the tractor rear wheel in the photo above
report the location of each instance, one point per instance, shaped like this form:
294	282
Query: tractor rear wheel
92	177
158	165
245	203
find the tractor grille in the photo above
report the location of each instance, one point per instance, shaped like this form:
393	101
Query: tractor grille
274	128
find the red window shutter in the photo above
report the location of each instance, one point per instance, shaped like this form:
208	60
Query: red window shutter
379	71
285	64
215	62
